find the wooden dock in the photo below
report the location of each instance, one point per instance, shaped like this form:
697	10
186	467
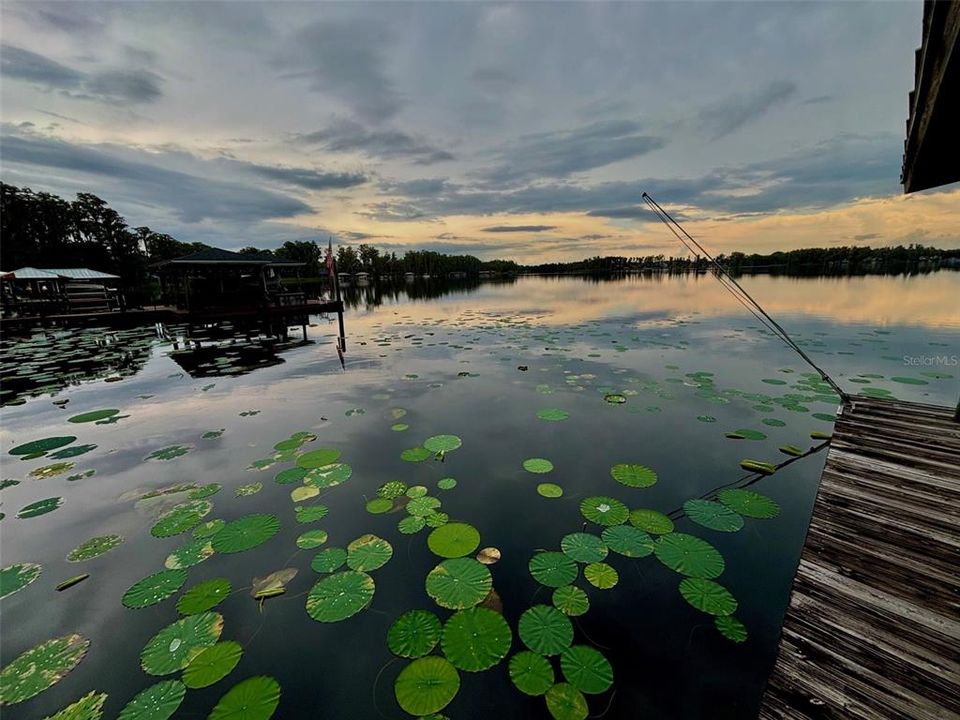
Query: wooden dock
873	626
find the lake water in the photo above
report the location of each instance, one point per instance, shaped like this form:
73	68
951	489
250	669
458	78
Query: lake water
478	363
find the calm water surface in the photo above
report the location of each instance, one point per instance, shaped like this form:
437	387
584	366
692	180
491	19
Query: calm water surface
675	348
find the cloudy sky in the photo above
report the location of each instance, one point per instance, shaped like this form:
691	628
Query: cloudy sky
526	131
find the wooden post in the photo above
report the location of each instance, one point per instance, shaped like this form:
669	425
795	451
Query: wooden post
342	341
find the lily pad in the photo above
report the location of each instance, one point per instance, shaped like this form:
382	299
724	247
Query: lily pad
604	510
708	596
169	453
713	515
273	584
339	596
89	707
205	491
689	555
193	553
40	507
204	596
249	489
311	539
391	490
411	524
157	702
154	589
181	641
328	476
615	398
635	476
583	547
749	503
318	458
488	556
255	698
538	466
549	490
423	506
758	466
565	702
326	561
530	673
731	628
552	414
290	476
627	540
417	454
246	533
72	451
453	540
586	669
447	483
553	569
14	578
601	575
442	443
40	667
94	547
414	634
427	685
208	529
651	521
379	505
38	448
212	664
368	552
571	600
304	492
476	639
181	518
93	416
545	630
48	471
459	583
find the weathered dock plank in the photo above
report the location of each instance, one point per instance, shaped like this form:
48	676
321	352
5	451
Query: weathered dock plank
873	626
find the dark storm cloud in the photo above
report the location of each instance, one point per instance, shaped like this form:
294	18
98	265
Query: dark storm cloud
722	118
117	86
351	136
518	228
306	178
563	153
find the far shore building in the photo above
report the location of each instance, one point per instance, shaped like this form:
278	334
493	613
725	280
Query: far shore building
30	291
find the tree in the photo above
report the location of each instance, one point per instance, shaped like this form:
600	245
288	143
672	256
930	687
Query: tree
347	260
305	251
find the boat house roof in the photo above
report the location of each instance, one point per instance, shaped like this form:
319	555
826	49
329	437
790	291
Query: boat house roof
218	256
32	273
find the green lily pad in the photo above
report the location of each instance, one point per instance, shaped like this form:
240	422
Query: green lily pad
627	540
14	578
205	491
773	422
447	483
423	506
255	698
442	443
290	476
208	529
339	596
212	664
246	533
169	453
326	561
399	427
549	490
154	589
538	466
38	448
909	381
689	555
427	685
552	415
615	398
181	641
273	584
601	575
586	669
72	451
48	471
94	547
249	489
411	524
713	515
476	639
708	596
93	416
318	458
311	539
748	503
368	552
414	634
565	702
545	630
328	476
40	667
758	466
530	673
40	507
417	454
304	492
635	476
651	521
391	490
417	491
157	702
204	596
571	600
731	628
188	555
453	540
553	569
181	518
604	510
89	707
459	583
379	505
583	547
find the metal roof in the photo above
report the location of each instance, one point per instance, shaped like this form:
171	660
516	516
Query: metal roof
31	273
217	256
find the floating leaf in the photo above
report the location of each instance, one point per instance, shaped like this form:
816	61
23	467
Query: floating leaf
571	600
273	584
157	702
154	588
757	466
14	578
204	596
339	596
713	515
318	458
417	454
635	476
545	630
553	569
532	674
537	465
326	561
601	575
178	643
249	489
488	556
442	443
604	510
290	476
40	507
427	685
93	416
552	415
447	483
731	628
565	702
689	555
181	518
94	547
459	583
583	547
73	451
193	553
476	639
328	476
70	582
48	471
627	540
208	529
368	552
748	503
205	491
615	398
246	533
379	505
411	524
791	450
708	596
453	540
40	667
311	539
38	448
89	707
169	453
255	698
304	492
909	381
586	669
414	634
212	665
550	490
391	490
423	506
652	521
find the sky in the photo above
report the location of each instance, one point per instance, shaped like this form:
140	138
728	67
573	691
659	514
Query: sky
523	131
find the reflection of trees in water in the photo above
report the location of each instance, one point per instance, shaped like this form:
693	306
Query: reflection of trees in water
392	291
